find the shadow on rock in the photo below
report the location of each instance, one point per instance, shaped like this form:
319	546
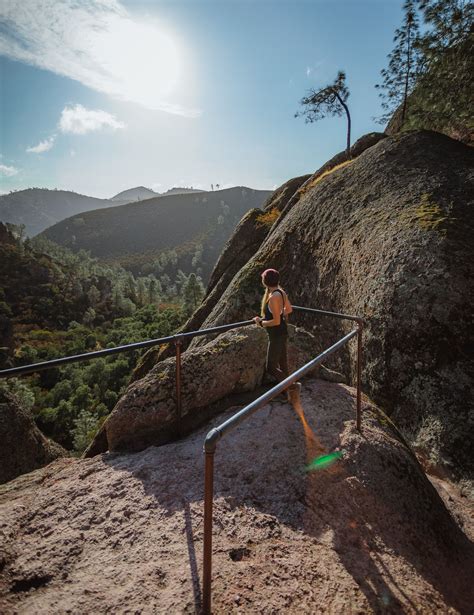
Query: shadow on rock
371	515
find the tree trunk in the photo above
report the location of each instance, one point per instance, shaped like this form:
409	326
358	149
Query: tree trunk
348	142
407	76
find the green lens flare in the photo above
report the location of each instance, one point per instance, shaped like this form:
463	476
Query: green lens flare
324	461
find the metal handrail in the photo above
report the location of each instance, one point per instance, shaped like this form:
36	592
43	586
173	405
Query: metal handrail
177	339
357	319
214	435
86	356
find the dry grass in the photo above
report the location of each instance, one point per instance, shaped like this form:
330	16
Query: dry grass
268	217
304	189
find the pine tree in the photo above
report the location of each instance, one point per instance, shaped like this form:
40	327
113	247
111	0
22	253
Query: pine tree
130	288
89	317
141	291
193	293
118	298
180	281
404	66
330	100
84	427
93	294
154	289
443	95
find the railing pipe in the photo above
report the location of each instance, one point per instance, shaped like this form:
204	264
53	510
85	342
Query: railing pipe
207	548
177	344
86	356
218	329
360	327
217	433
357	319
210	444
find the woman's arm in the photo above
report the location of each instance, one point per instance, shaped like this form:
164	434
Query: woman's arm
288	307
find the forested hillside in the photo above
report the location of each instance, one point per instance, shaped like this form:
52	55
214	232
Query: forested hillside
56	303
181	231
38	208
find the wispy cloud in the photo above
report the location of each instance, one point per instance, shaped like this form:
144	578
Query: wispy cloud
99	44
78	120
8	171
43	146
311	70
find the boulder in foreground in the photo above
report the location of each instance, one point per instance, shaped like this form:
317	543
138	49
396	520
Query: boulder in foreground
23	447
229	365
122	533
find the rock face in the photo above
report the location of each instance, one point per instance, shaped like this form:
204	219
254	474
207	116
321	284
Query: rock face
23	447
362	144
224	367
246	240
387	237
123	533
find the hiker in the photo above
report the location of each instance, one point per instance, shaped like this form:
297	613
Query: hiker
274	317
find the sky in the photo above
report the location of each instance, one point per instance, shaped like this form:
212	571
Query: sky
98	96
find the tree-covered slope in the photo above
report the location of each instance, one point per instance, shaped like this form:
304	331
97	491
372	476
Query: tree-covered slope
135	234
38	208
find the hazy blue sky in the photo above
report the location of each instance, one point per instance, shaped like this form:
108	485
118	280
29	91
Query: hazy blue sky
98	96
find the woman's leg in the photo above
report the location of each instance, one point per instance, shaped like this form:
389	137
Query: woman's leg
277	360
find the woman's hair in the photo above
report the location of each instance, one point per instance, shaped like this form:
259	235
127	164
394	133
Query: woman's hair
270	277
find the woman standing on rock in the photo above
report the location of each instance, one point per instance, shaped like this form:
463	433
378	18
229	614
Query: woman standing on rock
275	310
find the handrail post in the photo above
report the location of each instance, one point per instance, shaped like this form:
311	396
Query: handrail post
177	343
207	547
360	326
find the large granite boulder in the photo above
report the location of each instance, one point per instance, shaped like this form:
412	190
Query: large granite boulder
23	447
357	148
218	371
387	237
247	239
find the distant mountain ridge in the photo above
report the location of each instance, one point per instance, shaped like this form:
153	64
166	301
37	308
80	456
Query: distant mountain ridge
140	193
38	208
137	233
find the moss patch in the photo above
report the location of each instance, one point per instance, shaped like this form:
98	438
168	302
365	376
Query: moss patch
429	216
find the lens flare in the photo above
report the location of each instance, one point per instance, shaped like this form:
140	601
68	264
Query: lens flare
324	461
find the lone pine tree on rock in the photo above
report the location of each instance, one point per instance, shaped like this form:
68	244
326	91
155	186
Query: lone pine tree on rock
330	100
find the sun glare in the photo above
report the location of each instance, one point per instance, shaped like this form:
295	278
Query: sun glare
139	60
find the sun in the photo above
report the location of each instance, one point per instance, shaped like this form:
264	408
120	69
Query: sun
139	61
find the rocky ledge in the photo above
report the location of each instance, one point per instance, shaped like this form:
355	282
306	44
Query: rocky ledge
123	533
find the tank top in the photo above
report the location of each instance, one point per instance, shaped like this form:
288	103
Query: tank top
281	329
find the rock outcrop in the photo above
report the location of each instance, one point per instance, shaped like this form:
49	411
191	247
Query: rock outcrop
123	533
247	239
23	447
388	237
230	365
